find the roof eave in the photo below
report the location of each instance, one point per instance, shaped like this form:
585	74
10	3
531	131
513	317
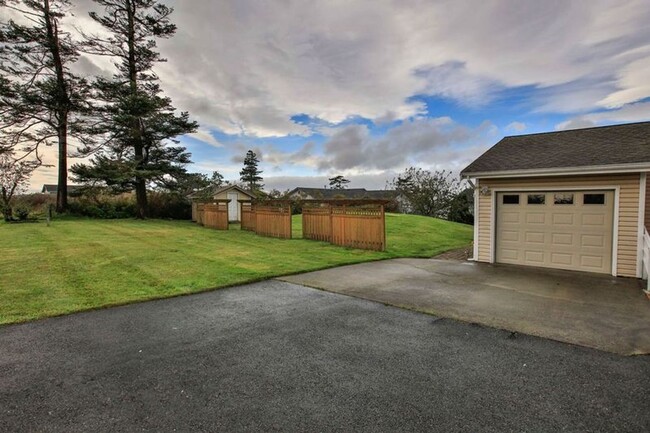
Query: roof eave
561	171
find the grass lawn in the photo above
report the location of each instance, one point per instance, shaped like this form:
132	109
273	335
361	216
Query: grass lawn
80	264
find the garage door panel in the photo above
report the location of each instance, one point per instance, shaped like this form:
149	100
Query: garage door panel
535	237
562	239
510	236
511	217
508	254
562	259
534	257
595	262
535	218
562	232
563	219
595	240
593	220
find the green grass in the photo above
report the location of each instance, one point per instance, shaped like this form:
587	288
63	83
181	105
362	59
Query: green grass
80	264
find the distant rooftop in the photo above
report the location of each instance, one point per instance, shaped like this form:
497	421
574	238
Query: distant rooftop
351	193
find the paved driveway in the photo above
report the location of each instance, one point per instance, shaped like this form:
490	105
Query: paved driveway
276	356
591	310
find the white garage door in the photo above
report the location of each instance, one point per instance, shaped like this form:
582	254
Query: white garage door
556	229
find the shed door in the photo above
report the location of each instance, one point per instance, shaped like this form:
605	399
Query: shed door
561	229
233	206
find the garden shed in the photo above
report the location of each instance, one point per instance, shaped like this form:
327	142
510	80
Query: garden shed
230	192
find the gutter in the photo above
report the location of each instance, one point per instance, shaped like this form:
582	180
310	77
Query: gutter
561	171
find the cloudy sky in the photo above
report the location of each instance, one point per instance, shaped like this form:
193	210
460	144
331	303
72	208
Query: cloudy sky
368	88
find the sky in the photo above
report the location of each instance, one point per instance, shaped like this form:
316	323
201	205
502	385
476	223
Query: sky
368	88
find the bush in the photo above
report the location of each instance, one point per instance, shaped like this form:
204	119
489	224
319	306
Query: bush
22	213
104	207
169	206
37	204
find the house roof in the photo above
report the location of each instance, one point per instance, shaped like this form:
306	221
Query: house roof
352	193
598	147
50	187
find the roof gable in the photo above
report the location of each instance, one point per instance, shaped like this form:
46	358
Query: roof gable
589	147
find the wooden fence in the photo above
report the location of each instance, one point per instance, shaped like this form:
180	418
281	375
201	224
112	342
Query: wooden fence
272	221
194	210
216	215
247	216
199	213
361	227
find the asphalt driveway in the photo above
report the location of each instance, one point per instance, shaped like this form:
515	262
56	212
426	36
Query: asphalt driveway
277	356
591	310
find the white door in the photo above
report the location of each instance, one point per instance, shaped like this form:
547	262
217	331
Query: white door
233	206
560	229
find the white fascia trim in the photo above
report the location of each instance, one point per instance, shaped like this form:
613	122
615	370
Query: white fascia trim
564	171
639	243
617	193
476	222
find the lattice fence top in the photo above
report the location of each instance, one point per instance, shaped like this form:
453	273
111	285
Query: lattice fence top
357	211
272	209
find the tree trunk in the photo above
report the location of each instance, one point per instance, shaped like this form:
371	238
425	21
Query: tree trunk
136	136
62	190
141	198
63	102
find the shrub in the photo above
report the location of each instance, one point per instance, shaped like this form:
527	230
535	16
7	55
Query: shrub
22	212
104	207
169	206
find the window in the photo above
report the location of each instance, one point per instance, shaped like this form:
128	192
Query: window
511	199
594	199
536	198
563	198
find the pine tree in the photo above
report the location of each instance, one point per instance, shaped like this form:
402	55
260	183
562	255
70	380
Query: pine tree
251	174
41	100
139	120
338	182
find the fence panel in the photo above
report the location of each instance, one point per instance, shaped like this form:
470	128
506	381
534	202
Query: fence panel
194	210
247	216
199	213
359	227
317	223
216	216
273	221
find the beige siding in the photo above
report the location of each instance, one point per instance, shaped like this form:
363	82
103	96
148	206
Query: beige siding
627	219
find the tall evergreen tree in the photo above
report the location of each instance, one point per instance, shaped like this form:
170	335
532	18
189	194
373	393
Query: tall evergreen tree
41	99
338	182
139	120
251	174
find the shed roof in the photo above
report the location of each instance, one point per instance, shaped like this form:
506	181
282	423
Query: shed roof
589	147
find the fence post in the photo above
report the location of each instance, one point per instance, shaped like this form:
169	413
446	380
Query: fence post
383	228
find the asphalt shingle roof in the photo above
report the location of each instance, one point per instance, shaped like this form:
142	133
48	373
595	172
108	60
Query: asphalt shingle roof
604	145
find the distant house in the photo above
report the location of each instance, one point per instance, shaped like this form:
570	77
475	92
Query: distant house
52	189
302	193
228	192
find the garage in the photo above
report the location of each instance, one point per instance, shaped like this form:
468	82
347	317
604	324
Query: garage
573	199
557	229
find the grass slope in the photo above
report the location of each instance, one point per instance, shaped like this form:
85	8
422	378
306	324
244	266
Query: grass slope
80	264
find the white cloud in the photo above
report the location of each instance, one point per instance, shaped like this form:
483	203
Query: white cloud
245	67
638	112
516	126
205	136
437	143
